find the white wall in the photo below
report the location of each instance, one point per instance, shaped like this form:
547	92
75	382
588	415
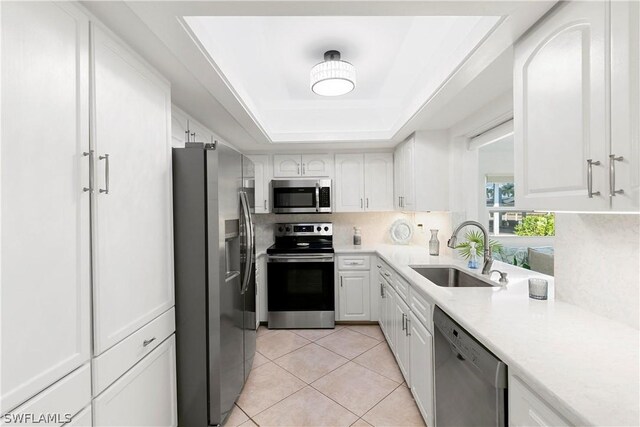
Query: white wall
597	264
374	226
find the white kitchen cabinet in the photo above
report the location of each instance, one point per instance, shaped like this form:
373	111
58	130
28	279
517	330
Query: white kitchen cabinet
263	173
378	182
349	183
404	187
364	182
402	344
45	292
132	233
317	165
625	104
421	368
305	165
390	315
63	399
184	128
421	172
574	118
526	409
354	295
144	396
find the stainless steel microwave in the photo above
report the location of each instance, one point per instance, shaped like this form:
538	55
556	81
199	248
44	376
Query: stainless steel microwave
301	195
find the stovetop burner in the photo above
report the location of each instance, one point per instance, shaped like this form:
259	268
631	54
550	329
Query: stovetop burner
303	238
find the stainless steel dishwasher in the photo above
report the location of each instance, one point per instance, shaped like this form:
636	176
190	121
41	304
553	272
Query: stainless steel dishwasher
471	382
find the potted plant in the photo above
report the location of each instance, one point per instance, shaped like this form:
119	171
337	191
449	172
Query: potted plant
475	236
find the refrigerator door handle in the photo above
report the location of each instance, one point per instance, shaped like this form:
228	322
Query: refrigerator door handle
244	203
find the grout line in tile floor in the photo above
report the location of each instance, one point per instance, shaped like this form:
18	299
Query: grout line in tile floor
348	359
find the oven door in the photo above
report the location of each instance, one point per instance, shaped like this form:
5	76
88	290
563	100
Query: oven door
300	291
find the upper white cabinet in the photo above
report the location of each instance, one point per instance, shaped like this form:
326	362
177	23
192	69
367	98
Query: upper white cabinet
296	165
625	105
349	183
185	129
568	153
364	182
133	258
263	173
45	292
421	172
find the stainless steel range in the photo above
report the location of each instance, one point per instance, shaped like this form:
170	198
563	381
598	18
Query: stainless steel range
300	277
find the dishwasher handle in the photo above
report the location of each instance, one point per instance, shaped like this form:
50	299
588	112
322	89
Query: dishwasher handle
469	350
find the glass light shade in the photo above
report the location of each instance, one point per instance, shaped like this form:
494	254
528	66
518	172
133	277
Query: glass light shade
333	78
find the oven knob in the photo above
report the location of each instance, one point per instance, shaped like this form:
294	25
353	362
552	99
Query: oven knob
319	228
280	229
326	229
288	229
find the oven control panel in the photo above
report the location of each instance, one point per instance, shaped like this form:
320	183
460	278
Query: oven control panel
304	229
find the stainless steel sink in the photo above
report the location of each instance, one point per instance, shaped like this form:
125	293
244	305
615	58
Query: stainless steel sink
450	277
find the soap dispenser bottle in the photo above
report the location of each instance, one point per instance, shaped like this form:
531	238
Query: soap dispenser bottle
473	259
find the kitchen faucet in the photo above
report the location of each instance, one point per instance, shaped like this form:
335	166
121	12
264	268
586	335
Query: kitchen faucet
488	260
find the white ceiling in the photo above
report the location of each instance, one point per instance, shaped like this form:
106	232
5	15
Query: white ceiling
156	30
400	62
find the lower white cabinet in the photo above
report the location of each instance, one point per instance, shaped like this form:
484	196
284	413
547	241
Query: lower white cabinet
354	289
55	405
145	395
527	409
402	337
421	368
81	419
408	336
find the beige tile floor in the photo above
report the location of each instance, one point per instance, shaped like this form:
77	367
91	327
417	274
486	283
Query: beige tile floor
345	376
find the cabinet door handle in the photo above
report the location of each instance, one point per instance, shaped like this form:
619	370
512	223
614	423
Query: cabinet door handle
407	331
265	204
106	173
404	318
612	175
361	203
90	155
341	282
381	290
367	203
303	169
298	168
149	341
590	164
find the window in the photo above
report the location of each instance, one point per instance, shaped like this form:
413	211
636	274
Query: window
505	219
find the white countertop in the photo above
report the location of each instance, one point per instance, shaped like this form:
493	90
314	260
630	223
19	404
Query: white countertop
584	365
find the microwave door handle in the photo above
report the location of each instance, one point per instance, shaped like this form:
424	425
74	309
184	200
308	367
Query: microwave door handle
317	197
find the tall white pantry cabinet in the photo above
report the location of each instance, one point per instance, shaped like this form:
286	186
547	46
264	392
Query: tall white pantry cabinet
86	261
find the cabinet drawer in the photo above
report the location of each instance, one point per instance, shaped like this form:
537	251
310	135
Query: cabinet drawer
354	262
402	286
62	400
82	419
144	396
527	409
422	309
111	364
384	270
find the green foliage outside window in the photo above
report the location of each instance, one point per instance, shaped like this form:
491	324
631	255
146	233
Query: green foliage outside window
536	225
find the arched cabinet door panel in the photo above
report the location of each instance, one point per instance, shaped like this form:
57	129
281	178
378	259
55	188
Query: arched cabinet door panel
560	110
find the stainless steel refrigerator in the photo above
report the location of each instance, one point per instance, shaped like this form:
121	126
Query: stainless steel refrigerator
215	279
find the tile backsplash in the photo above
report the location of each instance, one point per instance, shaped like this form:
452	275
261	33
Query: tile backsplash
597	264
374	226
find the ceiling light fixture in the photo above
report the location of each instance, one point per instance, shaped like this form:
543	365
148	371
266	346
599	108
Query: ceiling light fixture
333	77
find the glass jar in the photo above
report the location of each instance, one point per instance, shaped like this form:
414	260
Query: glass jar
434	243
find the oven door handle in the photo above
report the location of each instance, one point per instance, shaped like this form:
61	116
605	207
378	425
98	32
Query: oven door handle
300	258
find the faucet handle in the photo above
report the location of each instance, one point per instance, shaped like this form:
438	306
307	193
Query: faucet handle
503	276
452	242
